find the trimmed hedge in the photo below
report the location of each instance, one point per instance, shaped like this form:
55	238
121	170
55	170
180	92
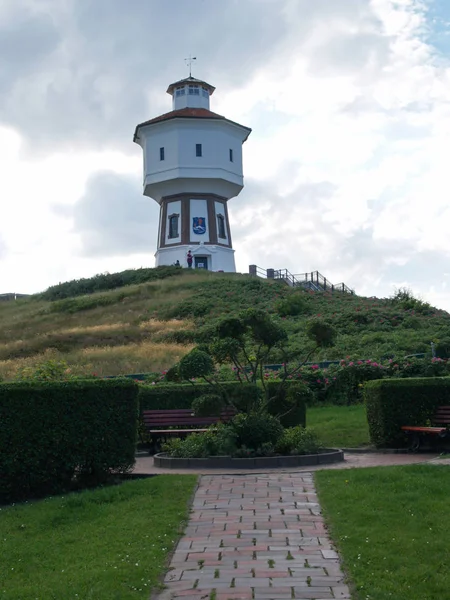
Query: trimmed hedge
392	403
160	396
52	431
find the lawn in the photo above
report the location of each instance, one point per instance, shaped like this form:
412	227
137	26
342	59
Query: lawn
340	426
105	544
389	525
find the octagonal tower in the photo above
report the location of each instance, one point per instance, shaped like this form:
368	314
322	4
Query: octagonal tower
192	167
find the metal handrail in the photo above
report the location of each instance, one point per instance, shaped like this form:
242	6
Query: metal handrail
312	280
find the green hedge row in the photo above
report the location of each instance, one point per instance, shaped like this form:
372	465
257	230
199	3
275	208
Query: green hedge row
173	396
52	431
392	403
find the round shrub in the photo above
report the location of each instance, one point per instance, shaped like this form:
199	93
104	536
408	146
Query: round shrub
298	440
195	364
207	405
254	429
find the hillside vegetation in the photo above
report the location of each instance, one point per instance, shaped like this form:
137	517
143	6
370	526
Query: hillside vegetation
146	320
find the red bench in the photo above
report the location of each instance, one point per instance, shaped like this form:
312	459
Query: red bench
161	424
439	428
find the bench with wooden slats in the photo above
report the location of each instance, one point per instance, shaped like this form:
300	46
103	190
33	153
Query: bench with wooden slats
440	423
180	422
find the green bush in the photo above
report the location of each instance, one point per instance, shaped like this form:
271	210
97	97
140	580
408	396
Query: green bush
49	370
52	431
255	429
217	441
293	305
288	402
392	403
346	381
298	440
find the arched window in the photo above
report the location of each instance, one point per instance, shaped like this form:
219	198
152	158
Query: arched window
173	226
221	227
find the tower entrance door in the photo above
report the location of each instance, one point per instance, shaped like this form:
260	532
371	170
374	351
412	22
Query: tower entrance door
201	262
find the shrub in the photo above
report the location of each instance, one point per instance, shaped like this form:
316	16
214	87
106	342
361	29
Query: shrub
346	384
298	440
293	305
321	332
217	441
52	431
255	429
49	370
288	402
208	405
195	364
392	403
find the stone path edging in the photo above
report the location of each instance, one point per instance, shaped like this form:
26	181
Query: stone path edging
255	537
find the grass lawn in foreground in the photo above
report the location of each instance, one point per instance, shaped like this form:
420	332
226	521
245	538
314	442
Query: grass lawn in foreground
340	426
390	525
105	544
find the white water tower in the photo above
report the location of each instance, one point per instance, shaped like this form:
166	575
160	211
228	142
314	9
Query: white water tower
192	167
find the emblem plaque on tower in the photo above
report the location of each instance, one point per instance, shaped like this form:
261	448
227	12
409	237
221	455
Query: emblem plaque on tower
199	225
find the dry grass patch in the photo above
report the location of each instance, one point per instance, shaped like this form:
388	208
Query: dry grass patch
105	360
156	326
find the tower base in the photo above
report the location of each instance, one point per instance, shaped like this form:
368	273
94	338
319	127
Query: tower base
211	258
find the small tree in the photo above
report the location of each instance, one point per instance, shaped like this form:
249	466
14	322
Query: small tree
247	341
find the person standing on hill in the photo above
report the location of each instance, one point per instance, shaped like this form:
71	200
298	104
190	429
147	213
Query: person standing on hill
189	259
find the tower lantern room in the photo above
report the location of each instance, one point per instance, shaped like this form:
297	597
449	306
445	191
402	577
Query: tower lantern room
192	167
191	93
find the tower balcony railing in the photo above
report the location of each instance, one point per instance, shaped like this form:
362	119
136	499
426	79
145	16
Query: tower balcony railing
313	280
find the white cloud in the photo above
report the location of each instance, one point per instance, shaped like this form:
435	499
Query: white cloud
346	166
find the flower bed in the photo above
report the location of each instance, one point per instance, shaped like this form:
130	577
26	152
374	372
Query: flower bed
326	456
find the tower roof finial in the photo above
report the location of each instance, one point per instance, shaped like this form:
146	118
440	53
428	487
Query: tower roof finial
189	62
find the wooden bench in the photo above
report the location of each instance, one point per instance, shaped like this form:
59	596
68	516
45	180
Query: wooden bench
161	424
439	428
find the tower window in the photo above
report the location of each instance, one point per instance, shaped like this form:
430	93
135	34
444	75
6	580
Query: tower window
231	154
194	90
180	91
221	227
205	92
161	154
198	150
173	226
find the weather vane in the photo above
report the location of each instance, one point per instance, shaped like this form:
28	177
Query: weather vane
189	62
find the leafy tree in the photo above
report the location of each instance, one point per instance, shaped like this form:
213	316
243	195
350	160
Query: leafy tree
246	341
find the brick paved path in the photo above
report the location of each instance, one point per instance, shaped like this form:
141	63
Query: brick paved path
255	537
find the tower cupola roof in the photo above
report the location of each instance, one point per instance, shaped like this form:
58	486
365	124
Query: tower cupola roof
190	81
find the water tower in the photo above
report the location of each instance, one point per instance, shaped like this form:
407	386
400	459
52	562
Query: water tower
192	167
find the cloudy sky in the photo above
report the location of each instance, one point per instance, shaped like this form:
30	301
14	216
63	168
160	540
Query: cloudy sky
347	169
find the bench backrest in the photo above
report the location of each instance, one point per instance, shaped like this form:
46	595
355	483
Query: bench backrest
180	417
441	416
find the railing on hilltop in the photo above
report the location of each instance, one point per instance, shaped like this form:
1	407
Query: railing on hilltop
12	296
314	280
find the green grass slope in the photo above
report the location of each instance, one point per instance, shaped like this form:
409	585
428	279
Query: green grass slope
148	326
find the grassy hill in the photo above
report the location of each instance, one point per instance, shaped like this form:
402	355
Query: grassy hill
148	326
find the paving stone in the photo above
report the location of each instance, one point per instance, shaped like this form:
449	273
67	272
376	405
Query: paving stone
255	536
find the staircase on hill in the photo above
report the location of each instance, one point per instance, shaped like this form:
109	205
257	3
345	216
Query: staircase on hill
313	281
